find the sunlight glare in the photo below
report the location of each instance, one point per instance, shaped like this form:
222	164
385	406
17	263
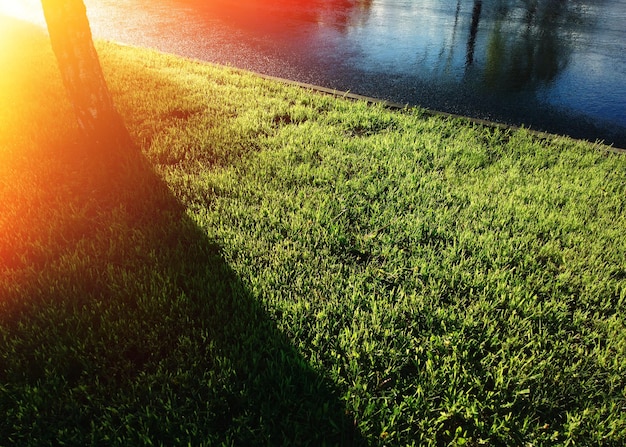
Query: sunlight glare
24	55
27	10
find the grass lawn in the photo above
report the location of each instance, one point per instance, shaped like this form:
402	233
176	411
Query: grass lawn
280	267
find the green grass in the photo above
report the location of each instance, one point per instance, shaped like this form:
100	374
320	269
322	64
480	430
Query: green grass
281	267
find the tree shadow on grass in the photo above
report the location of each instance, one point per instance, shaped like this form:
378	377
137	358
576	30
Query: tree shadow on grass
123	325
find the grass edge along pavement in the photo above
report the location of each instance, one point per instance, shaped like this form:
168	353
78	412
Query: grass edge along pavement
399	106
285	266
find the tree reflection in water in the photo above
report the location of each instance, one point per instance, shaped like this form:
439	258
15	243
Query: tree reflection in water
526	45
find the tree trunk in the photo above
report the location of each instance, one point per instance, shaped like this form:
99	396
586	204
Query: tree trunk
72	43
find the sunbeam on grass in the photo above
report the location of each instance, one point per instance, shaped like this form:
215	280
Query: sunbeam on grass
281	267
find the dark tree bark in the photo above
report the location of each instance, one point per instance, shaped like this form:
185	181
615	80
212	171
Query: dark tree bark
72	43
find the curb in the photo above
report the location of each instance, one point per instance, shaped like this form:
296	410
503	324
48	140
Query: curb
398	106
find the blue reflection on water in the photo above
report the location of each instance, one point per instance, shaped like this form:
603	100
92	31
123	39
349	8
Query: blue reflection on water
567	58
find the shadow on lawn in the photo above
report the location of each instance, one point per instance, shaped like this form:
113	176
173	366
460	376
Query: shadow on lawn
130	328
